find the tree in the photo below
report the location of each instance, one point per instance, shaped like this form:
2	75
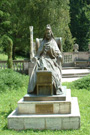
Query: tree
55	13
8	44
37	13
80	22
9	52
5	23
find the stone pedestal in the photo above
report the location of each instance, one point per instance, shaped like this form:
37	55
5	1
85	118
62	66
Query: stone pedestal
57	112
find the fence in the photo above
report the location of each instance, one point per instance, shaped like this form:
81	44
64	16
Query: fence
18	65
69	59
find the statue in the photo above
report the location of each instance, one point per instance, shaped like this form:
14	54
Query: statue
47	58
76	47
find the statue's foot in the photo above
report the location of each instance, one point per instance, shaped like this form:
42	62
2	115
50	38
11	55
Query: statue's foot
59	92
40	68
45	68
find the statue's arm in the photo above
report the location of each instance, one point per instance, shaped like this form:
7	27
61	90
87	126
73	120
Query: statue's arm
54	49
57	53
40	50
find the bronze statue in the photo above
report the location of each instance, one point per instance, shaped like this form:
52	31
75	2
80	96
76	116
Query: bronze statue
46	59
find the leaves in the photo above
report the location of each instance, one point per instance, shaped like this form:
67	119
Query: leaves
18	15
80	22
10	80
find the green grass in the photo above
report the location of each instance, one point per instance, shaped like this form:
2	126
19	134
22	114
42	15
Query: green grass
20	58
3	56
12	91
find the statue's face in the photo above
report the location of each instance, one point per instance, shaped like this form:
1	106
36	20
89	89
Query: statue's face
48	34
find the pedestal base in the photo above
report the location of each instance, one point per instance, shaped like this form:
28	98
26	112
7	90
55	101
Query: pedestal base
46	121
44	107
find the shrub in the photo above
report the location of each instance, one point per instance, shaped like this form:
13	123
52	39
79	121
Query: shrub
10	80
83	83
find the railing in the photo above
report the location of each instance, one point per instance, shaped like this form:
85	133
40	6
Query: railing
18	65
69	58
68	61
3	64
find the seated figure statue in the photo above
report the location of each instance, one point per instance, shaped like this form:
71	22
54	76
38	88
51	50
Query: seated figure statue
46	59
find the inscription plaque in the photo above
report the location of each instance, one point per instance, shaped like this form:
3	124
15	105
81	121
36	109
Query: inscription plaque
44	108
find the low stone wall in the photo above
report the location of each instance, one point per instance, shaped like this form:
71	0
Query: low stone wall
69	58
18	65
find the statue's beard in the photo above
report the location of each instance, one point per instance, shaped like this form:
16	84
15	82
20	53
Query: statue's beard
48	36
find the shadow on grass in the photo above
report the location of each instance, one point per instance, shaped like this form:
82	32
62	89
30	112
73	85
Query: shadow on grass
45	131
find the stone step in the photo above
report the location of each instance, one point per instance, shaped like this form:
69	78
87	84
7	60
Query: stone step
73	75
70	79
31	97
64	68
46	121
44	107
40	106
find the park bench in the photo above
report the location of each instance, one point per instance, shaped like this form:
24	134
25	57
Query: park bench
81	63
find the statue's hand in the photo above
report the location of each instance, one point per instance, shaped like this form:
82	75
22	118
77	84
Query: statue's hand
46	47
60	58
34	59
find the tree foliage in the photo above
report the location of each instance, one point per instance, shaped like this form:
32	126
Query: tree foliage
16	16
5	23
9	52
8	44
80	22
55	13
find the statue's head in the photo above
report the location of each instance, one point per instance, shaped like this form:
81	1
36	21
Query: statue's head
48	32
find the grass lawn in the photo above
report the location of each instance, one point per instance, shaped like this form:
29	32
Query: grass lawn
13	86
3	56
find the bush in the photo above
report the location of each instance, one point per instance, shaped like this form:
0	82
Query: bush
10	80
83	83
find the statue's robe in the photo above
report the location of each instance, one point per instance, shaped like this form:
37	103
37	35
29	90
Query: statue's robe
47	60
